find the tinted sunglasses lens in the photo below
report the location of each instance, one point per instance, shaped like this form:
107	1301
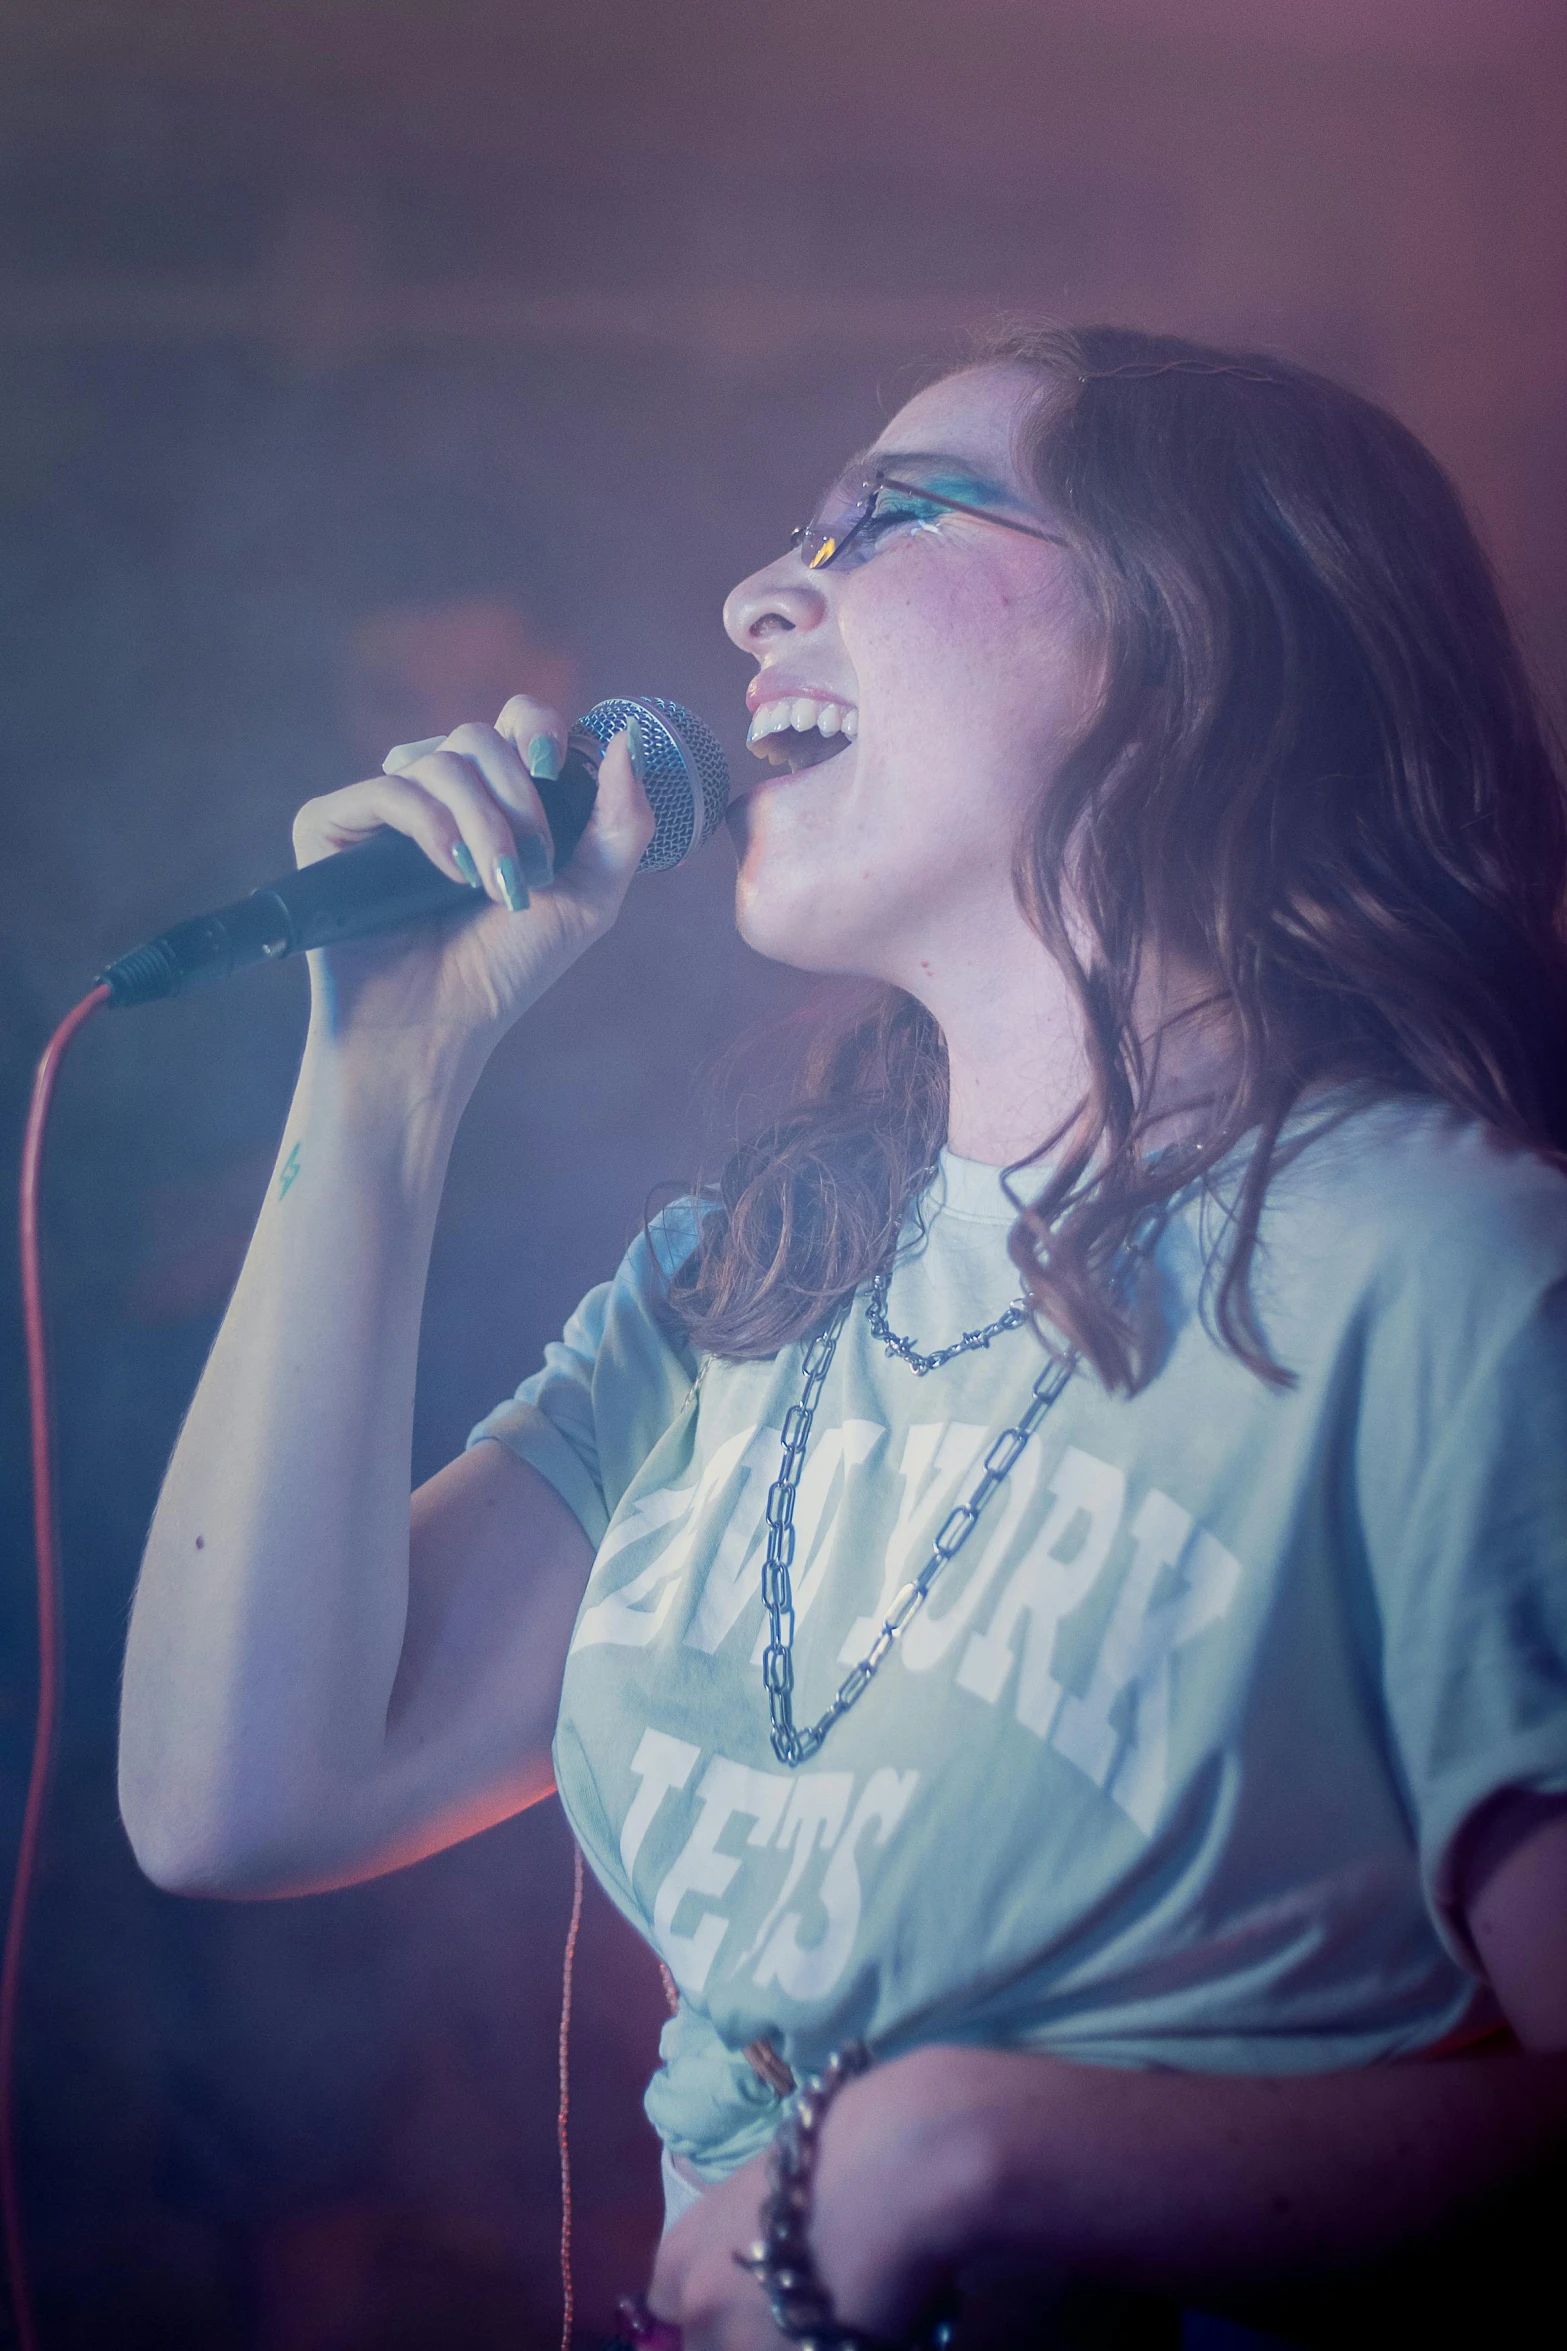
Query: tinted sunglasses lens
836	519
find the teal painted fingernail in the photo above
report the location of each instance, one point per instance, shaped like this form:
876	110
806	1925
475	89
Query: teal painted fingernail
462	858
636	747
513	889
537	863
544	759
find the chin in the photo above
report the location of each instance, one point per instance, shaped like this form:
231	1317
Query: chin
772	925
799	925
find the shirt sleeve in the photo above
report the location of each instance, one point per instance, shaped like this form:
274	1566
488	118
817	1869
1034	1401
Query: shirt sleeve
1472	1577
610	1385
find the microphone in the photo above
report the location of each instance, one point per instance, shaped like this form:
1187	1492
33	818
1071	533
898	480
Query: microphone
388	880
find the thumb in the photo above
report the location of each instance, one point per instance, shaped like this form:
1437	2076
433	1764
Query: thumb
621	825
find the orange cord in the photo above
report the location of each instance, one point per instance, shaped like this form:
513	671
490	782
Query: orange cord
568	2296
46	1546
46	1543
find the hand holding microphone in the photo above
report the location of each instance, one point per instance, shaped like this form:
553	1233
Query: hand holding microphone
469	825
472	799
440	907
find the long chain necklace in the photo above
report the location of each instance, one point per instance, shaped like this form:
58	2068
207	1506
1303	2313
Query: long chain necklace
794	1746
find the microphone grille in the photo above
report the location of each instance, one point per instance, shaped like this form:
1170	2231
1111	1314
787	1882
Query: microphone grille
686	777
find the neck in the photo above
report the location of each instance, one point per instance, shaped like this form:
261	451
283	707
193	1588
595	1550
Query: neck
1015	1060
1016	1065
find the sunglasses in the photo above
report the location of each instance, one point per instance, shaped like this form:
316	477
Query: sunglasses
857	510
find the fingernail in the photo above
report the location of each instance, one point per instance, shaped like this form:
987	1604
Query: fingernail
513	889
537	863
544	759
636	747
462	858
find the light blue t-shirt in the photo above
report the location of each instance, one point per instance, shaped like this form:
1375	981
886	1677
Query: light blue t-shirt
1169	1768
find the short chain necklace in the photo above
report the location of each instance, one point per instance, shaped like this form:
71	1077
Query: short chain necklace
905	1349
792	1745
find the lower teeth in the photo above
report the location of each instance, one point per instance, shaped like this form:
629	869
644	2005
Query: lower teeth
793	748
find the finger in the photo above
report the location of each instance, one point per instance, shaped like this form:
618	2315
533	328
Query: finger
403	755
487	852
536	732
338	820
621	825
499	764
533	845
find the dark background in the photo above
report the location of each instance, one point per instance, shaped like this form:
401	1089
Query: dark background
358	364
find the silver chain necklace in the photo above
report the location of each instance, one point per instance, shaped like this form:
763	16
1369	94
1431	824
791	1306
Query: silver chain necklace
794	1746
906	1351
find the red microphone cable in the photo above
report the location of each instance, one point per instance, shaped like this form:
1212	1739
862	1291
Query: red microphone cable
46	1545
568	2297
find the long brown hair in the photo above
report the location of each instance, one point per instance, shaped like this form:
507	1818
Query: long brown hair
1316	774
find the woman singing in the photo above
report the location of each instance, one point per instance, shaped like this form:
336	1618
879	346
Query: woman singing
1044	1594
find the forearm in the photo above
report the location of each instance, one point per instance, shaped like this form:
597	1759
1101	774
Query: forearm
1178	2181
268	1621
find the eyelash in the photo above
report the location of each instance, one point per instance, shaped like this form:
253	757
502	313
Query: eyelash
901	508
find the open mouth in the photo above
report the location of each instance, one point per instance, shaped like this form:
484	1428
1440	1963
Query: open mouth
801	731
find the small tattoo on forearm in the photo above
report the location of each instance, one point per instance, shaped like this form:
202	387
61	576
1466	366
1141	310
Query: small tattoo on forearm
287	1173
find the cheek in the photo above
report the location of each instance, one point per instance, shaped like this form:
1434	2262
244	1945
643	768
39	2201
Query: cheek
962	655
918	647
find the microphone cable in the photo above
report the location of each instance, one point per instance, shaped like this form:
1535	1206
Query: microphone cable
568	2293
46	1544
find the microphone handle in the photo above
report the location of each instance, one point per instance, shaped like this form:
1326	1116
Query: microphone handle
383	883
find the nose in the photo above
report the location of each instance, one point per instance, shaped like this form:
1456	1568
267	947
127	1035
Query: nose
776	601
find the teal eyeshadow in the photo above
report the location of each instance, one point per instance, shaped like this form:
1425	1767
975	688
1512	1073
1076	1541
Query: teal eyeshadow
962	485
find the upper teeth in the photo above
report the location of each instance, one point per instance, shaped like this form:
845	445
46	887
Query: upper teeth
802	712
